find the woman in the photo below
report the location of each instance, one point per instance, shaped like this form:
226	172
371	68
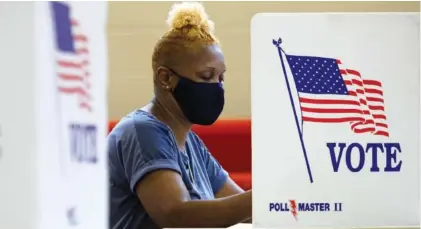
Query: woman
161	174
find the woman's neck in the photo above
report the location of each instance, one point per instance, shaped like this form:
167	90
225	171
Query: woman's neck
172	118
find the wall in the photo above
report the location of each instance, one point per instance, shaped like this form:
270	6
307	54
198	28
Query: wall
134	27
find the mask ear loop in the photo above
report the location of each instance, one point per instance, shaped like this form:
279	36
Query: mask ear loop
173	72
176	74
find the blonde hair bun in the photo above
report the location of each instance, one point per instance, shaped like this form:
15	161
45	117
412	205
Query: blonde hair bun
189	14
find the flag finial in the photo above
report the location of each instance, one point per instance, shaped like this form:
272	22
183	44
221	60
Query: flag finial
278	42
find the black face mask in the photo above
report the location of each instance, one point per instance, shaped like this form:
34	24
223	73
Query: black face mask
201	103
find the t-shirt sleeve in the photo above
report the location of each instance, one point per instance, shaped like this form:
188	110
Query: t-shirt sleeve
147	147
217	175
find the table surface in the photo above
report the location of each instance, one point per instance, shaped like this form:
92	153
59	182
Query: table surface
242	226
249	226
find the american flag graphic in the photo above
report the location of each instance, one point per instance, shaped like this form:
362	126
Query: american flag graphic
72	56
331	93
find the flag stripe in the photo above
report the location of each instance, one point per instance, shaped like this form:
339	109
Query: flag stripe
328	101
326	110
332	120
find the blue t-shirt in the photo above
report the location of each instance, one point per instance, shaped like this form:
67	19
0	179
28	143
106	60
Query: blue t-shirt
140	144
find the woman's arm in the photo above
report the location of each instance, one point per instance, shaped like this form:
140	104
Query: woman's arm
230	188
167	201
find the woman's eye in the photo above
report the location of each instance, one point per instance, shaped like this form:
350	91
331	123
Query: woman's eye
207	78
211	77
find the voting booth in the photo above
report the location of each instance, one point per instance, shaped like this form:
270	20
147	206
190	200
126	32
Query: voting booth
335	120
53	119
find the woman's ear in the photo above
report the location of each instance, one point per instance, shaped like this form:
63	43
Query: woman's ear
163	78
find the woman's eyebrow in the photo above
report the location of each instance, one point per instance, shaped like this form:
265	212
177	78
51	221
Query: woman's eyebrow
207	69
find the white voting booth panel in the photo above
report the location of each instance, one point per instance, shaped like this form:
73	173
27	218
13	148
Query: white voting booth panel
335	120
53	118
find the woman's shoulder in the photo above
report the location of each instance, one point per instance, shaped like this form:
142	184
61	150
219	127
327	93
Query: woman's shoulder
140	124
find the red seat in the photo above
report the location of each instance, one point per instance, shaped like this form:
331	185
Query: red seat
112	124
229	141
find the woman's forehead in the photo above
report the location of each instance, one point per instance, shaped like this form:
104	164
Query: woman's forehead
211	57
199	60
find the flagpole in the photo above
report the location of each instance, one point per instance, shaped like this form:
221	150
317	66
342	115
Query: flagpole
300	133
